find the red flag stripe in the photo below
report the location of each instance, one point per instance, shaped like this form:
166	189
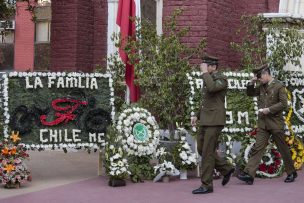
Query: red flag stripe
126	11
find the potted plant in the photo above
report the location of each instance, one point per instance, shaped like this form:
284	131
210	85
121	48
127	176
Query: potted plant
13	170
184	158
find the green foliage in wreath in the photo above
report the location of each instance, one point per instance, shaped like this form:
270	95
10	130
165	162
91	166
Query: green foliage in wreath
238	101
38	101
140	168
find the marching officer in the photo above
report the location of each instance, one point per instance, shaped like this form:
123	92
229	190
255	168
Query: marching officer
272	100
212	118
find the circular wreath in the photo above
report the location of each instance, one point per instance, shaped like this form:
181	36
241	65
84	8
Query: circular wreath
139	131
271	164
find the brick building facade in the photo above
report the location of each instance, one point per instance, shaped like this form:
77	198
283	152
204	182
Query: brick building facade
79	34
218	22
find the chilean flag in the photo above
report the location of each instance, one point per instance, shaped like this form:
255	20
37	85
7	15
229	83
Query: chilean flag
127	10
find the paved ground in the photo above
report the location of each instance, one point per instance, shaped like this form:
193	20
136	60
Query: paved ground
72	178
53	168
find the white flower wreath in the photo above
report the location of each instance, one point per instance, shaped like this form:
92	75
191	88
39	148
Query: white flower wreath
118	167
139	131
270	161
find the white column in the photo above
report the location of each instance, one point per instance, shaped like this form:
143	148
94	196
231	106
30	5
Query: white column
283	6
159	16
296	7
138	8
301	8
112	27
138	11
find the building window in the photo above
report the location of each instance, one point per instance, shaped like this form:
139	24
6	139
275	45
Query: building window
148	10
159	16
153	11
43	31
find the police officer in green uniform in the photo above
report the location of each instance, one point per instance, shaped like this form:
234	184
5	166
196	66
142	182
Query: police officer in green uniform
272	100
212	118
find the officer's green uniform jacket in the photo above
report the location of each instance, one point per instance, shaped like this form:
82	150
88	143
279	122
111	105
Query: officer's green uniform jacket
212	111
274	97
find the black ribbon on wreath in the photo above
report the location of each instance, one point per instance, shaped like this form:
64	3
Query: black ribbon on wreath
23	118
96	121
91	119
80	95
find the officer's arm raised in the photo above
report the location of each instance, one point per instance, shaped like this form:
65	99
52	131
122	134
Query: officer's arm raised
214	85
252	91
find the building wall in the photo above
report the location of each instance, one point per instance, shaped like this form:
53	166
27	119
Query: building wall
222	22
100	32
24	39
42	57
194	15
78	34
79	30
218	22
64	35
85	35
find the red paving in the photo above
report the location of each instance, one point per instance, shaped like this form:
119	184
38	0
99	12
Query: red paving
176	191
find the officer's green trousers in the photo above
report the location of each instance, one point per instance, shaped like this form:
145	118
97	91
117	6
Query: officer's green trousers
207	142
259	148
